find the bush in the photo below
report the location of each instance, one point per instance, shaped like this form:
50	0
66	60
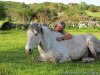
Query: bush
22	26
9	25
6	26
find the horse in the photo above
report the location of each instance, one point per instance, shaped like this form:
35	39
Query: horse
85	47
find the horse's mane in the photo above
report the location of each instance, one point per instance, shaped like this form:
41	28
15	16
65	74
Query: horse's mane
37	25
52	30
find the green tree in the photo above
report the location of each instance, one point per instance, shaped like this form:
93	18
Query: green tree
2	11
83	6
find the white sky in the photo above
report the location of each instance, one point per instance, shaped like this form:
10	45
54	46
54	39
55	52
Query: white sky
95	2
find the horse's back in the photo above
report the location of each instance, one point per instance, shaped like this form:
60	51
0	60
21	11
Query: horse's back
76	46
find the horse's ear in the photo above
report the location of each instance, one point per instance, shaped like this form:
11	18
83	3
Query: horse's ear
41	30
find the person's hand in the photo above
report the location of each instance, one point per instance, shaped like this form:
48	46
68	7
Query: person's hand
59	38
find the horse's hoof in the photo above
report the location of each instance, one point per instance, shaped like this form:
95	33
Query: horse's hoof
57	60
86	60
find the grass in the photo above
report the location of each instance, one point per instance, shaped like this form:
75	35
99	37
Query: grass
1	22
14	61
94	14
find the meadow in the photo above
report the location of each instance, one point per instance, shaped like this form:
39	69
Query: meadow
94	14
14	60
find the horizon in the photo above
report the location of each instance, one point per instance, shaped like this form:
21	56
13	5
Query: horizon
89	2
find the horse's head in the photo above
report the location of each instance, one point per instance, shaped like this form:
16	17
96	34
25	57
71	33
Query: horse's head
34	37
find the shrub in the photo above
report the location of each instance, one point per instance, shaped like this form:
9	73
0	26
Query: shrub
6	26
22	26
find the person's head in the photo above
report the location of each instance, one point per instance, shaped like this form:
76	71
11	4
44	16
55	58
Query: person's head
59	26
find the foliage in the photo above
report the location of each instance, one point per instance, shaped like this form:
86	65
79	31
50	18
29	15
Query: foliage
6	26
2	11
18	11
94	8
46	12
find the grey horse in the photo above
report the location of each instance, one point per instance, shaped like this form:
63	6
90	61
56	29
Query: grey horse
84	47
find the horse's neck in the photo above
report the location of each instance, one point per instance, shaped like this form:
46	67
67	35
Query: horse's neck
46	38
49	38
49	43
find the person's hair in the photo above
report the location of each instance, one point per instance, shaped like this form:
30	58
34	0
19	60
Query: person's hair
63	24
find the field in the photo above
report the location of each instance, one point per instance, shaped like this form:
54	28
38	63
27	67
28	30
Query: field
14	61
94	14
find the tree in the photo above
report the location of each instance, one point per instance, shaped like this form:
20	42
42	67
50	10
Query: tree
83	6
93	8
2	11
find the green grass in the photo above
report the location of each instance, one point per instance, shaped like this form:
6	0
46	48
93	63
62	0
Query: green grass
94	14
14	61
1	22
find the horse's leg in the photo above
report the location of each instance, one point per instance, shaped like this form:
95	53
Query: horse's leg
86	58
57	59
38	59
43	55
61	59
64	60
91	45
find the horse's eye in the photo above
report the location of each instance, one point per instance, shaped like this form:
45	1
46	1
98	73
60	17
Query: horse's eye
36	34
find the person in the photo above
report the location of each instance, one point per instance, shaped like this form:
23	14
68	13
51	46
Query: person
59	27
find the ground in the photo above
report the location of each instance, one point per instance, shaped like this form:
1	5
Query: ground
14	61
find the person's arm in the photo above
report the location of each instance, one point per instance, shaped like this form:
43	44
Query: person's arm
67	36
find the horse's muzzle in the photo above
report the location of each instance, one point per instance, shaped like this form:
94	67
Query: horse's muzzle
28	51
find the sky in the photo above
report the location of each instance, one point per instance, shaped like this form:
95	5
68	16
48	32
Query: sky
94	2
